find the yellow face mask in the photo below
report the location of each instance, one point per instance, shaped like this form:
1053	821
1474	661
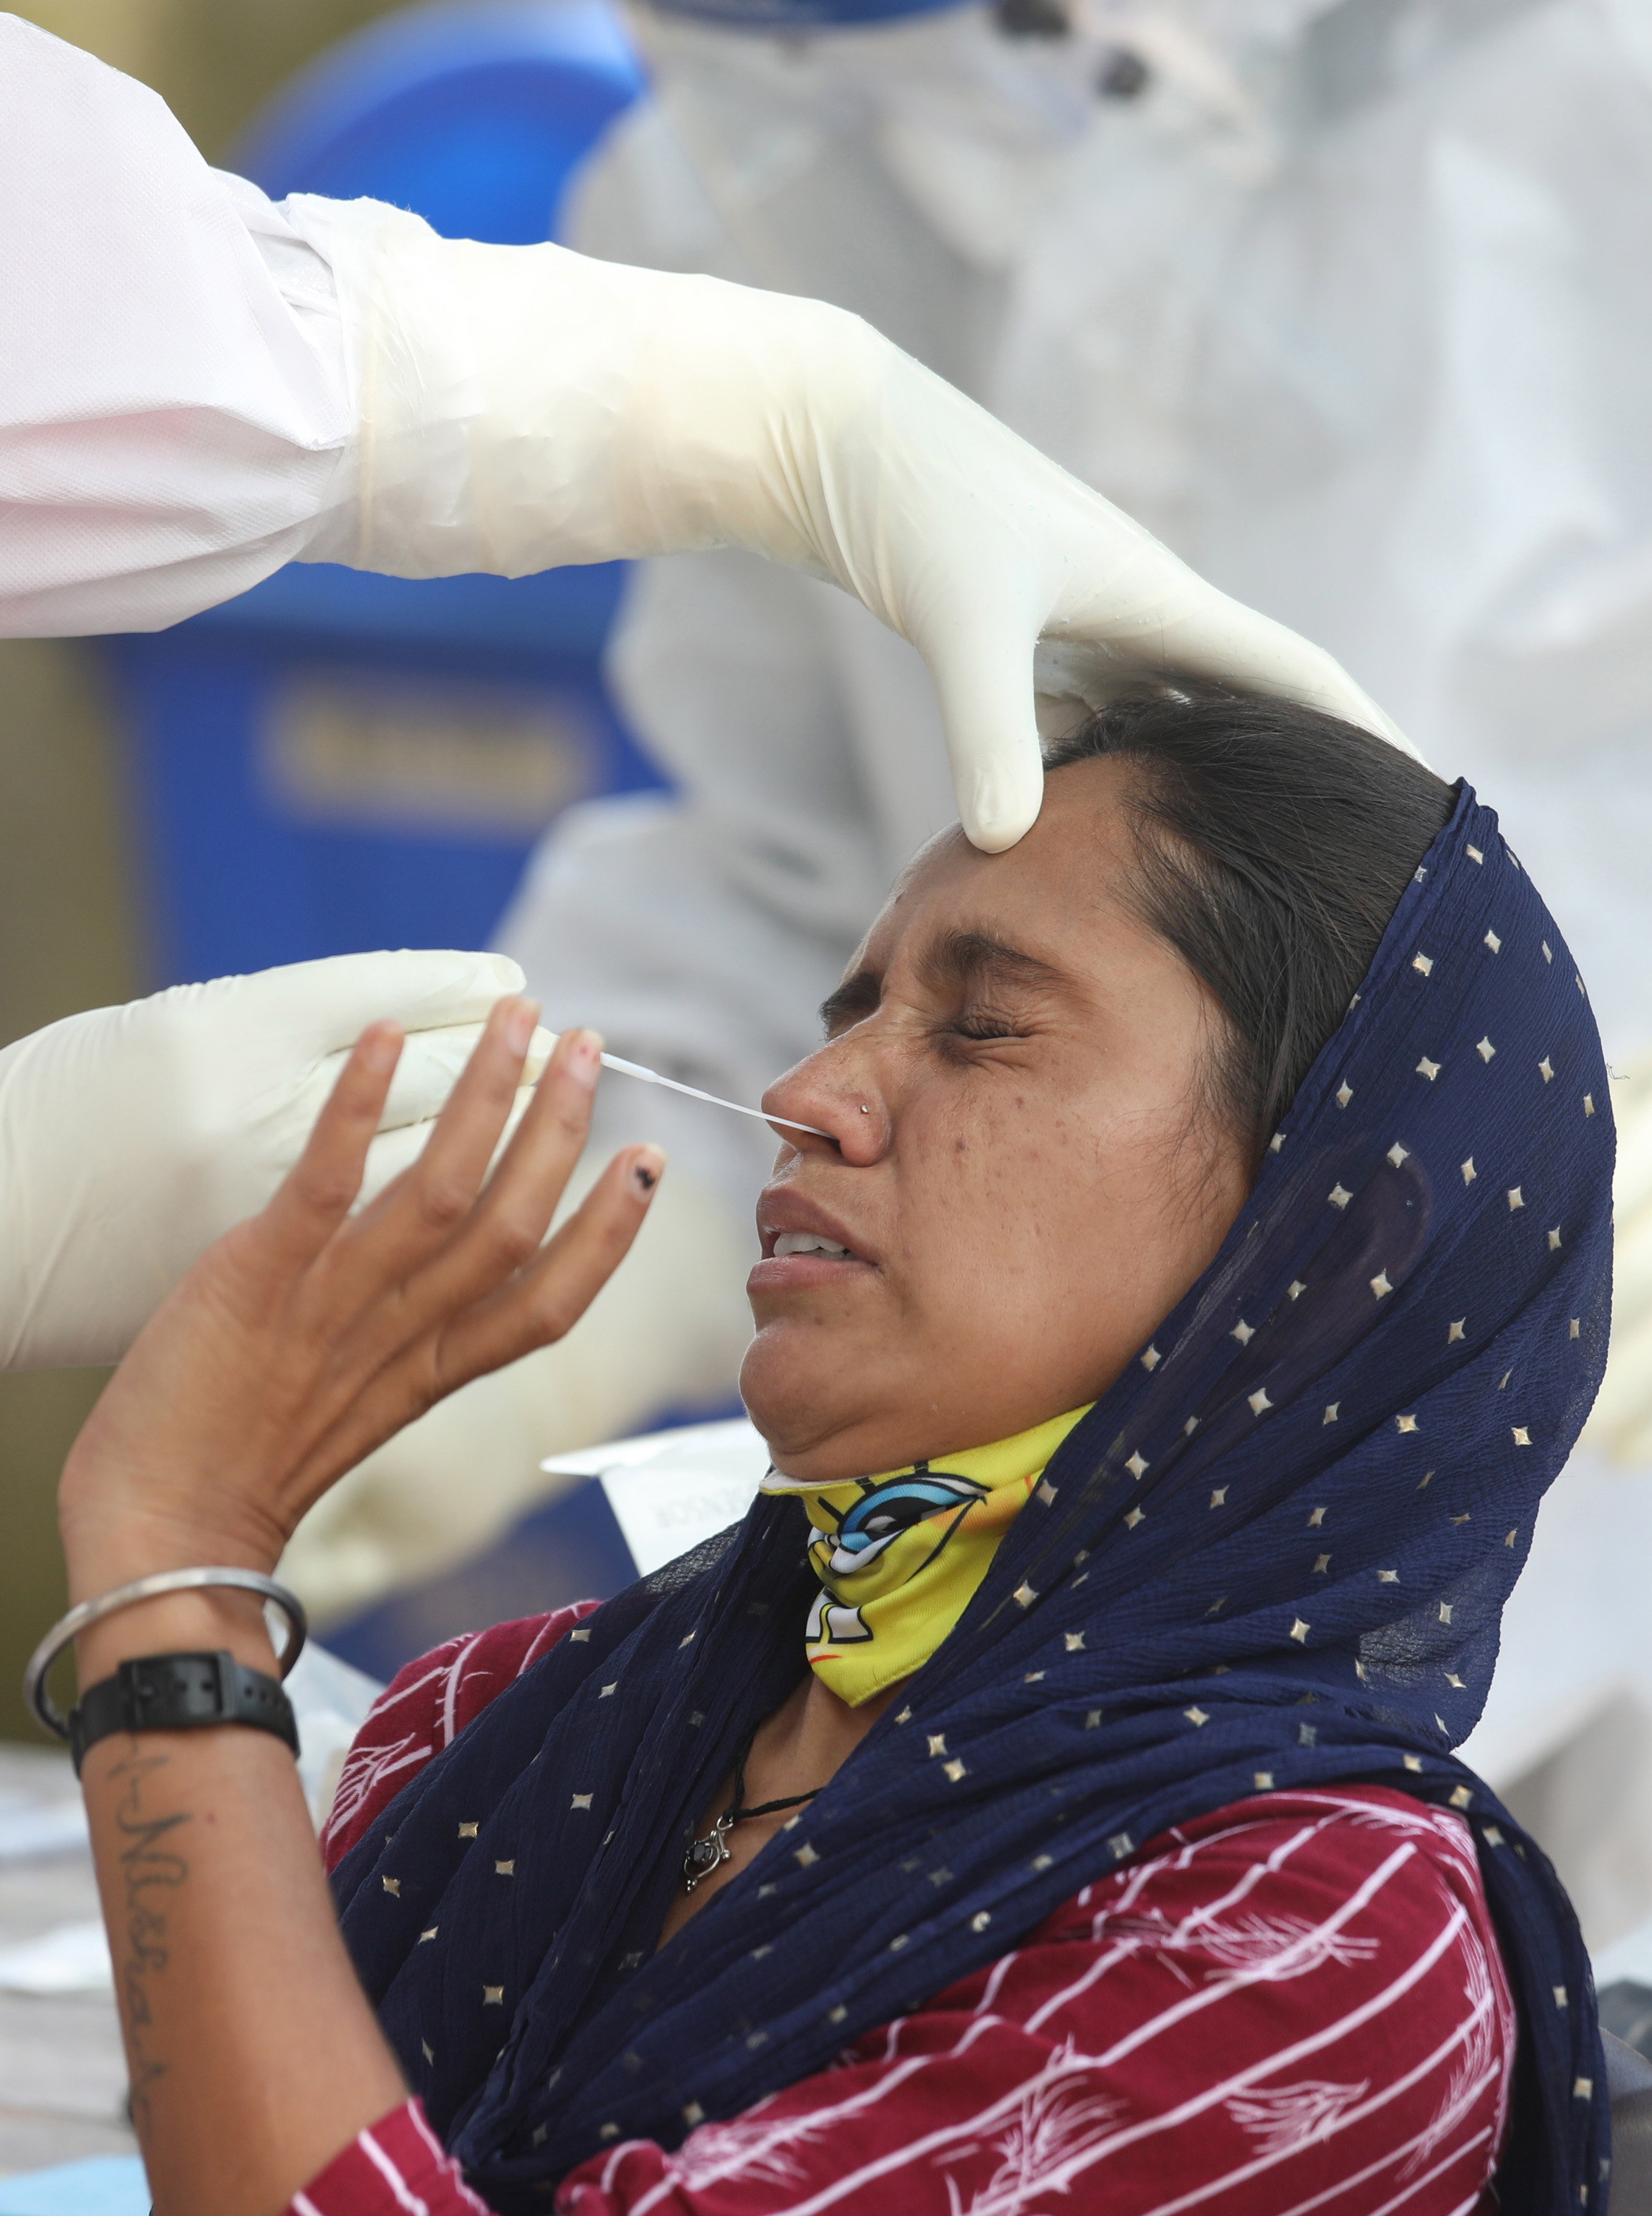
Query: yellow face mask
899	1556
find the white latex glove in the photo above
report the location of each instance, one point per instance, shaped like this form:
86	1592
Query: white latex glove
519	406
130	1137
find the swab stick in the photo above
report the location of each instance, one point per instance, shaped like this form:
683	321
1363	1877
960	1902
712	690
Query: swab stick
653	1077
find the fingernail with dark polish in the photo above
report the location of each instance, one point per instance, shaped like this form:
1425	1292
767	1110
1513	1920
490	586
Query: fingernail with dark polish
647	1168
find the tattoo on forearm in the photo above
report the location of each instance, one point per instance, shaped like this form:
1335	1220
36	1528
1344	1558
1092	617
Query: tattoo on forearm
151	1867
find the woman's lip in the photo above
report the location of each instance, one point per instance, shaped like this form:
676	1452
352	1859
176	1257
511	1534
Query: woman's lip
801	1273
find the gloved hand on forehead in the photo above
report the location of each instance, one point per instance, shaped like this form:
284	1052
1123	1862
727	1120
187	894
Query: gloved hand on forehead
130	1137
521	406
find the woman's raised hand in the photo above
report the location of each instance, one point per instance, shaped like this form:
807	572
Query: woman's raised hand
307	1336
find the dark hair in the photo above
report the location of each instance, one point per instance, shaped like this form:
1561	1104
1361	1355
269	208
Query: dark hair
1275	843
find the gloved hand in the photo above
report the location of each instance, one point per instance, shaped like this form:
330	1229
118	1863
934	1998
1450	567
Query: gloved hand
519	406
130	1138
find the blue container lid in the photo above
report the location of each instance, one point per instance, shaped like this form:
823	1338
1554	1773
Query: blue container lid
780	15
474	114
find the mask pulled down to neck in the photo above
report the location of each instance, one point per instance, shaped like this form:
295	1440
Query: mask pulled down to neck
900	1555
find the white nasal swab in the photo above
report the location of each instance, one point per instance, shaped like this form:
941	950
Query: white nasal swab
653	1077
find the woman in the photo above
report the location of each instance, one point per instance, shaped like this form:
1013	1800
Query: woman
1073	1815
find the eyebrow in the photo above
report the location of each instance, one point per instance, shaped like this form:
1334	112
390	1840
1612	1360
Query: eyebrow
961	957
857	997
975	957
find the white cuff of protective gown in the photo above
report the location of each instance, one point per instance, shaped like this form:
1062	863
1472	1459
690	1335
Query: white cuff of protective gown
130	1137
521	406
666	1330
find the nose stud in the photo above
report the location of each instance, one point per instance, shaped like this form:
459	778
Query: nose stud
865	1110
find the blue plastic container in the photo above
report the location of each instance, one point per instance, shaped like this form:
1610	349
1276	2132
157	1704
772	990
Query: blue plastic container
336	761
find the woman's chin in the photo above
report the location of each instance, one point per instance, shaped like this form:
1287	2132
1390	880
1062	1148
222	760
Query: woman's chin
808	1398
792	1409
816	1434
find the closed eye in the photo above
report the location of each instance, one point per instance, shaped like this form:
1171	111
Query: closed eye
974	1027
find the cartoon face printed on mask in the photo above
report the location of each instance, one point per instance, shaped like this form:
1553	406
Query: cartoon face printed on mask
886	1510
899	1555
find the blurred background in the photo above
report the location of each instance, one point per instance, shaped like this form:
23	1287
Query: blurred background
1350	300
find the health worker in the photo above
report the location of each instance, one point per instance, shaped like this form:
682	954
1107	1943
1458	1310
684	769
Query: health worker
198	385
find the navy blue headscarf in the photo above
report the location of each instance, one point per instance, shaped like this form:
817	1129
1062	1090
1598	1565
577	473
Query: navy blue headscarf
1286	1536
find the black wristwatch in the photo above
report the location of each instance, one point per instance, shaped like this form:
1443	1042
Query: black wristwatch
180	1692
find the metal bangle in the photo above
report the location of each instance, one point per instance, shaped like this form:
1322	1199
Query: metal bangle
164	1581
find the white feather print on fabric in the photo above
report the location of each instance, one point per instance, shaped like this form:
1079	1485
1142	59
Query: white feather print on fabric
1057	2125
1294	2115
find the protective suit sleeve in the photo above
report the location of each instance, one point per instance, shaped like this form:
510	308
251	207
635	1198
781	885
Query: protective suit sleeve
173	399
130	1137
519	406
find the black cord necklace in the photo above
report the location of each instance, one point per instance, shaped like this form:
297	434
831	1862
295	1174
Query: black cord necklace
709	1853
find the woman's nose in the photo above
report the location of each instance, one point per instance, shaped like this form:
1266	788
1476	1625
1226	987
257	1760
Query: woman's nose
822	1091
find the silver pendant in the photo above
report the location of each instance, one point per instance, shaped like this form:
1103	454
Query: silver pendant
707	1854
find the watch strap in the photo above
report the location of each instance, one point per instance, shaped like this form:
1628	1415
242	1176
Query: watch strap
180	1692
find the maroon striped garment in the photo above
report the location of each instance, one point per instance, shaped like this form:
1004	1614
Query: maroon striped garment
1294	2004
